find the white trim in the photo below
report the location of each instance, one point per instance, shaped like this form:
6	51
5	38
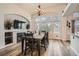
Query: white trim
74	51
66	9
6	45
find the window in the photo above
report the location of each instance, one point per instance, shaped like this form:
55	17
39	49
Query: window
76	26
44	23
44	26
57	27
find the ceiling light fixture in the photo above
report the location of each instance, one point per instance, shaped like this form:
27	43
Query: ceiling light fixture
39	10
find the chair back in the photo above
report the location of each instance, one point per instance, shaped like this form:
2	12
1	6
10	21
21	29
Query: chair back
29	37
29	34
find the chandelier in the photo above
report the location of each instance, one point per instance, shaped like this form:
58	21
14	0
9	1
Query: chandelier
39	10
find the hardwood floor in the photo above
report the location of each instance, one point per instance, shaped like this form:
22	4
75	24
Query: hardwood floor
55	48
59	48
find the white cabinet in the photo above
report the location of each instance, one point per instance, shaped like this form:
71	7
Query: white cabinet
75	43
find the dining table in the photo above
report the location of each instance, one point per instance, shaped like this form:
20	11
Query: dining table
36	36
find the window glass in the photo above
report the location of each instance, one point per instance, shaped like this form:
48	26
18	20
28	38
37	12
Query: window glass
57	27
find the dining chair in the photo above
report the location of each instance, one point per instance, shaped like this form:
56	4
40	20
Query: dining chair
45	41
30	43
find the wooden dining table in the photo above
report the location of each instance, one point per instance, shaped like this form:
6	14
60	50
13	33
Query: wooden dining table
36	36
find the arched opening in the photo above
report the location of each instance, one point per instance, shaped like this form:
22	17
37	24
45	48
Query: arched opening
16	21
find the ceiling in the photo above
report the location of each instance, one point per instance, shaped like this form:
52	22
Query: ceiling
46	8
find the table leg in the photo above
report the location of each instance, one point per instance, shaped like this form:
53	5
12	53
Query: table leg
38	47
22	45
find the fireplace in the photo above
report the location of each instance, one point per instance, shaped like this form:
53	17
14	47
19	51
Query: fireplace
8	38
19	37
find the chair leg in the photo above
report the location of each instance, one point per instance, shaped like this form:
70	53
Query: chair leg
25	49
45	46
32	49
31	52
24	52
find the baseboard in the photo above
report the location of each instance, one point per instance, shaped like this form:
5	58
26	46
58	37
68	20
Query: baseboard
56	39
74	51
2	47
6	45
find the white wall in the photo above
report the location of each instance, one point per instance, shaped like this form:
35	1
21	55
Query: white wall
69	35
1	30
10	9
13	9
64	28
66	31
57	36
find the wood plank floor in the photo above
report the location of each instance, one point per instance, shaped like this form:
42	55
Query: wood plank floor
55	48
59	48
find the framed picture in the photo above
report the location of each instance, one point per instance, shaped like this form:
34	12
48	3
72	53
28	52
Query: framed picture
68	24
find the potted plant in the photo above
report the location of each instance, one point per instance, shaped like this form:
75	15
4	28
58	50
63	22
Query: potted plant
8	24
